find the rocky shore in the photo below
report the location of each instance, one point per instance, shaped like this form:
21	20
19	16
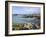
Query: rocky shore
26	26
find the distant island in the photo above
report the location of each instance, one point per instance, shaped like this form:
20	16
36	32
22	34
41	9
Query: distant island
28	15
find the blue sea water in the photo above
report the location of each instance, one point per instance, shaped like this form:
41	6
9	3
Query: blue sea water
19	19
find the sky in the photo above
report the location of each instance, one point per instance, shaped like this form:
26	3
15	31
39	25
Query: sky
25	10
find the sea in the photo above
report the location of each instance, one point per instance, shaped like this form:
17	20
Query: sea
20	19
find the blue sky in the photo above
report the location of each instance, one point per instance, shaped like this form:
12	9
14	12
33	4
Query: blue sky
25	10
